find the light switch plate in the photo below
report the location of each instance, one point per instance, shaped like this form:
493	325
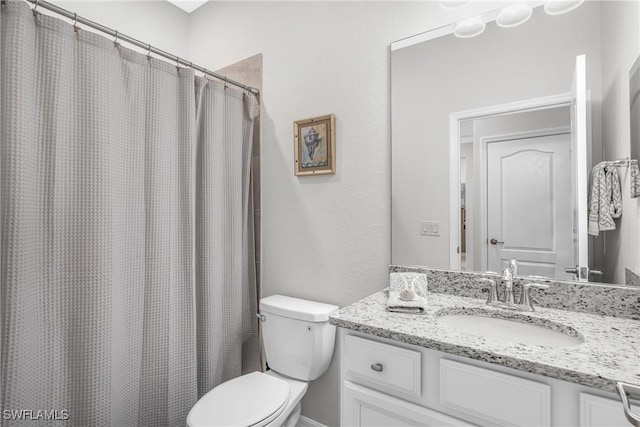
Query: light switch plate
430	228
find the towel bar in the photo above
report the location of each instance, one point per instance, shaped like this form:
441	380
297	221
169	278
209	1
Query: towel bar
629	390
622	162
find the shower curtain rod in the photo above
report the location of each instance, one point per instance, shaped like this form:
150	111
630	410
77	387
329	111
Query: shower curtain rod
123	37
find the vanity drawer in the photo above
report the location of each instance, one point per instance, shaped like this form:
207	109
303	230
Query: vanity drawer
383	366
498	398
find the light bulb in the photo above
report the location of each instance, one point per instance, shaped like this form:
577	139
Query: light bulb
454	4
514	15
558	7
469	27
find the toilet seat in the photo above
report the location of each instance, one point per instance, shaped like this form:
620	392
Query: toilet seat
253	399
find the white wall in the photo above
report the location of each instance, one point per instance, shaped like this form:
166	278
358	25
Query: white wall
156	22
325	238
620	29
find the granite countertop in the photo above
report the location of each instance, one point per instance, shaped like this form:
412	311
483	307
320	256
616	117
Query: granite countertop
610	351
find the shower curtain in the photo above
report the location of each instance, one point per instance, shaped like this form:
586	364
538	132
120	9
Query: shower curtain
127	284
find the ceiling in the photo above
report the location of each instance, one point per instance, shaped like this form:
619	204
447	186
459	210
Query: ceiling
188	5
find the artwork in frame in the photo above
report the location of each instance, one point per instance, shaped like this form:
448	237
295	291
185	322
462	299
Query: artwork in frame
315	147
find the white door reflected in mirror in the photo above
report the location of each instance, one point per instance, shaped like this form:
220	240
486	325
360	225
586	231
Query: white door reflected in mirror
516	173
529	204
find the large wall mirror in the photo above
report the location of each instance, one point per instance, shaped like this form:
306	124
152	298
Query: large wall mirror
494	137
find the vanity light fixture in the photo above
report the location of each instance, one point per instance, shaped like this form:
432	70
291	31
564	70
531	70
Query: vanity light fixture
558	7
514	15
453	4
469	27
509	16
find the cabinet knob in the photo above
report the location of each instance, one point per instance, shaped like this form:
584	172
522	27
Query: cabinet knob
376	367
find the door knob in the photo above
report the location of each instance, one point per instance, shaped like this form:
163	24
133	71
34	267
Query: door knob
582	272
495	242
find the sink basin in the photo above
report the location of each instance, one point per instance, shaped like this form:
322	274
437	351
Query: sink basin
509	327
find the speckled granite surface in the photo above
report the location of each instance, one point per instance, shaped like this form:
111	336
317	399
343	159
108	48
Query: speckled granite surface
592	298
610	351
631	278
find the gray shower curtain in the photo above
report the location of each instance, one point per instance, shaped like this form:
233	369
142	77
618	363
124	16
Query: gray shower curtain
126	281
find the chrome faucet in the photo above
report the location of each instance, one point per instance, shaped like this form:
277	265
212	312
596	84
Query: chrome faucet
513	266
508	275
507	279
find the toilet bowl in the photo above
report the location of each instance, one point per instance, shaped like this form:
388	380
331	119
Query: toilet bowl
289	417
256	399
298	342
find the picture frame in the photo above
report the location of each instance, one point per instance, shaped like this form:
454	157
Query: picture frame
314	145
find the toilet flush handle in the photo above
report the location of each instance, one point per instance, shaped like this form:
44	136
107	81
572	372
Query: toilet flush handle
262	317
376	367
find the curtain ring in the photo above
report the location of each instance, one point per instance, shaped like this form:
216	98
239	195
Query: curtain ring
178	62
148	52
75	22
115	39
35	7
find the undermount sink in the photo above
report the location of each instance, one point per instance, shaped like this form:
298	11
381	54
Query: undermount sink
510	327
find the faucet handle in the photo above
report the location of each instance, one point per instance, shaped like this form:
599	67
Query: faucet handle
513	265
525	297
493	290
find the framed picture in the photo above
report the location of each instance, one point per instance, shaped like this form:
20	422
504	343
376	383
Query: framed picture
314	145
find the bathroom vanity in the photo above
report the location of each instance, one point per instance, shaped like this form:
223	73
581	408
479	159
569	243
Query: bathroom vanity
467	120
403	369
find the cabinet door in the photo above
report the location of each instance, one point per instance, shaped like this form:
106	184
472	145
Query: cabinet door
362	406
596	411
492	397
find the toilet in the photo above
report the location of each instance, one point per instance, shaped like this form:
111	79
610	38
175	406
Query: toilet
298	343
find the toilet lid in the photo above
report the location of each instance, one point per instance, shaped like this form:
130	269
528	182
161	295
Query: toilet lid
244	401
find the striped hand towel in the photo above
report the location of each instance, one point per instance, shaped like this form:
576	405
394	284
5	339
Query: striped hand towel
635	179
605	199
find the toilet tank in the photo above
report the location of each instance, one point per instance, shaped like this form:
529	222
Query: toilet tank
298	339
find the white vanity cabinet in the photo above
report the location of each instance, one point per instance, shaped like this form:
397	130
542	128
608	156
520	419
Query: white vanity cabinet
597	411
374	373
362	406
389	383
